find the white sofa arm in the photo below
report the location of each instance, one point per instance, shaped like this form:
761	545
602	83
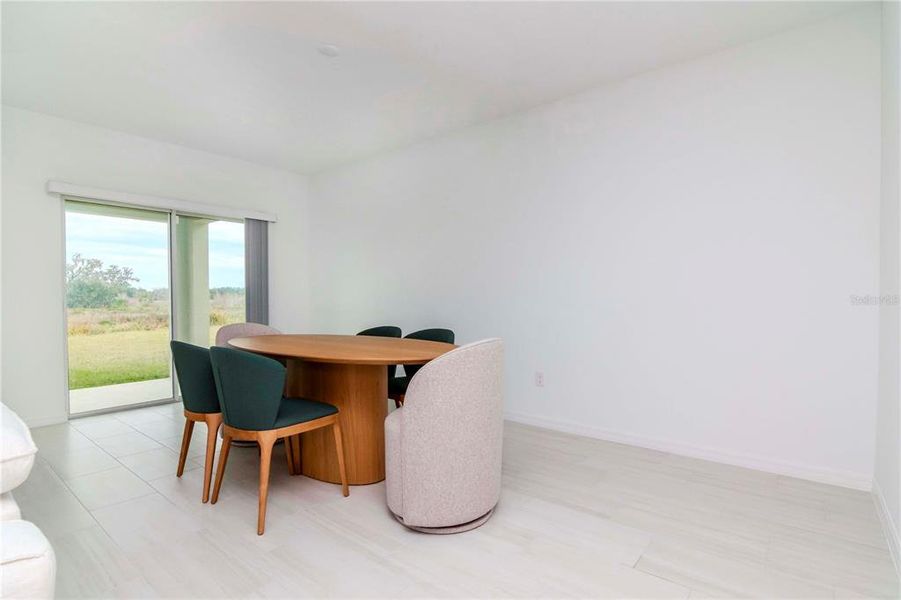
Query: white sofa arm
17	450
27	562
9	509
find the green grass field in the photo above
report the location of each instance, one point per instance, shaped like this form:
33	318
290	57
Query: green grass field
131	341
119	357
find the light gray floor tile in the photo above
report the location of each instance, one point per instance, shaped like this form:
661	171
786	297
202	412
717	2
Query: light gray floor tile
91	565
100	426
578	518
81	461
165	428
155	463
108	487
124	444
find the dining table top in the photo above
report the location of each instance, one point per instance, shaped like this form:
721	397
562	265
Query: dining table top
344	349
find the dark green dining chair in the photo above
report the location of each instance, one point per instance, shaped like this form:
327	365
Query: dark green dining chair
254	409
201	403
389	331
397	386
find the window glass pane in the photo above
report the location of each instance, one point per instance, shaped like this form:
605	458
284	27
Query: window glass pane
117	299
210	275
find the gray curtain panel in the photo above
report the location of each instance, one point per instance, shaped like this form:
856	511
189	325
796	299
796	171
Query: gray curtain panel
256	270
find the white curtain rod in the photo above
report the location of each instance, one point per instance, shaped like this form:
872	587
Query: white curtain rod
196	208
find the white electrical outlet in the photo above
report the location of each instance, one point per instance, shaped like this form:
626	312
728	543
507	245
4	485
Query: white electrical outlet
539	379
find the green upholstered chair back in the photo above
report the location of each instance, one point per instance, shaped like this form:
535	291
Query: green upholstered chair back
431	335
384	331
250	388
195	377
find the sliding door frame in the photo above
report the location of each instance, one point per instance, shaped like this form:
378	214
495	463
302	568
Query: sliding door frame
71	191
172	247
169	258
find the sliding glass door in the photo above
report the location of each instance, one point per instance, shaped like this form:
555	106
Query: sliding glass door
120	303
209	269
118	306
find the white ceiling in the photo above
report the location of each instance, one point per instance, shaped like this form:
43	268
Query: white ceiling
245	79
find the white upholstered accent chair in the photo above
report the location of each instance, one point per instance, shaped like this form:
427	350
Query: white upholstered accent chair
236	330
443	448
27	560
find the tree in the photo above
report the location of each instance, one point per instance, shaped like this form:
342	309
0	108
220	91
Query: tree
89	285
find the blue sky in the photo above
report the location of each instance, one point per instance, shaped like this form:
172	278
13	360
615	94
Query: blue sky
143	246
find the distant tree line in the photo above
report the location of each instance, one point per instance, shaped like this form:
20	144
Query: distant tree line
91	285
226	291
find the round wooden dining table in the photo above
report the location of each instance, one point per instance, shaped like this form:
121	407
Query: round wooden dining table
350	372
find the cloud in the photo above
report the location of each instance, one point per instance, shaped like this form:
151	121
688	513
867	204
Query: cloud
144	247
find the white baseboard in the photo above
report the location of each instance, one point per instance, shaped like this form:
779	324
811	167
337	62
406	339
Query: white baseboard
888	526
845	479
44	421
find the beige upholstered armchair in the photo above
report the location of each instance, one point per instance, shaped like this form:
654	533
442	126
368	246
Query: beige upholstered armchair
443	448
236	330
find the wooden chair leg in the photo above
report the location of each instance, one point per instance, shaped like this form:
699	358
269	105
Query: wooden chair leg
185	444
223	458
398	400
213	421
266	440
295	445
289	454
339	446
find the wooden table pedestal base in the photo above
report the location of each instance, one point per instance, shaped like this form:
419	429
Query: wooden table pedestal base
361	394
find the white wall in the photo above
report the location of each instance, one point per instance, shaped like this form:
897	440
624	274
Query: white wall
37	148
675	252
888	447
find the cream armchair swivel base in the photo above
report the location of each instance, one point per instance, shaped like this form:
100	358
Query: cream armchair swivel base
451	529
443	448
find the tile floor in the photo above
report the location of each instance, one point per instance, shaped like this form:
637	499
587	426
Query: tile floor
578	517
